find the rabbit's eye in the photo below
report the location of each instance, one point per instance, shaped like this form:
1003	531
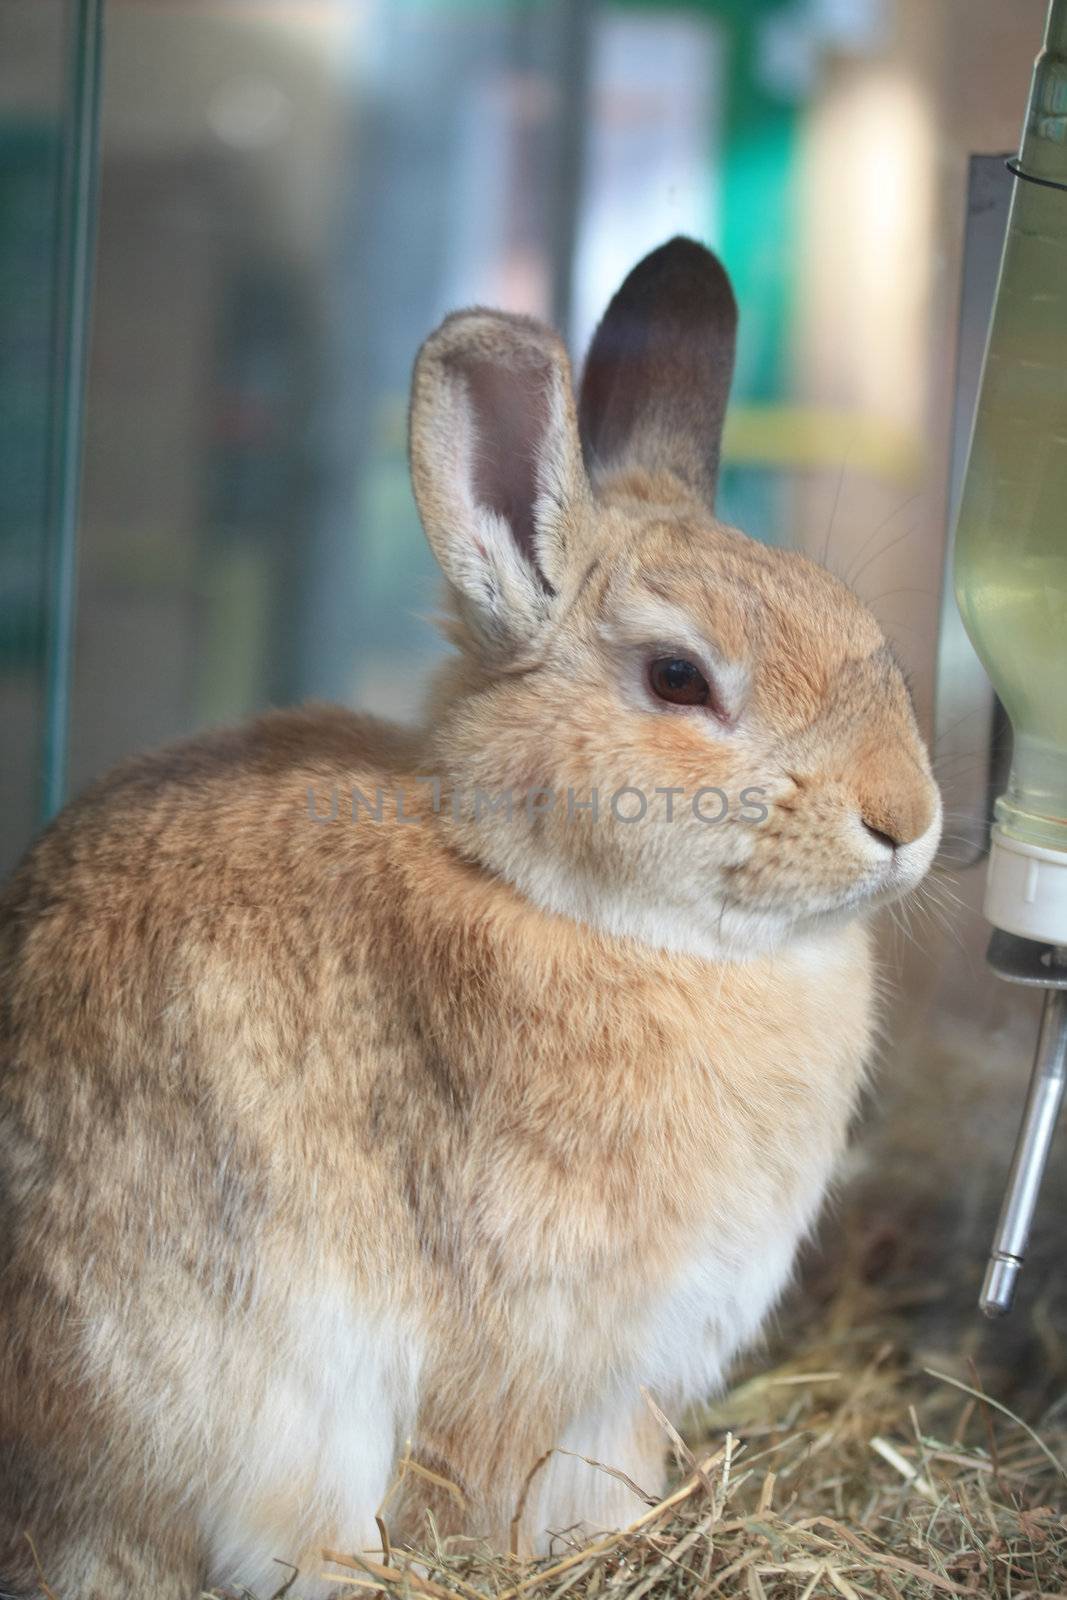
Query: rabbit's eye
677	680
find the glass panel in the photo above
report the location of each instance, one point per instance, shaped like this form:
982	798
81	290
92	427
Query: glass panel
292	195
294	191
32	81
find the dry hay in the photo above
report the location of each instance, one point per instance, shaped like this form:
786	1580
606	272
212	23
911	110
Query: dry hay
850	1469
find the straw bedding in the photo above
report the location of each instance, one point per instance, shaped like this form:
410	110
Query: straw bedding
852	1467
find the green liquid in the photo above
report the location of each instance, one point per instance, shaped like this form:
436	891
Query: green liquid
1011	537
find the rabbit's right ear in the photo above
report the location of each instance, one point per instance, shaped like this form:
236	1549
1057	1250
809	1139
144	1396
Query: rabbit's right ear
497	470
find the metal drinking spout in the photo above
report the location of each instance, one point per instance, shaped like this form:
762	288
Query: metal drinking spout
1047	1085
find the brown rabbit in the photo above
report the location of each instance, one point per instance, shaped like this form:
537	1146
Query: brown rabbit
368	1095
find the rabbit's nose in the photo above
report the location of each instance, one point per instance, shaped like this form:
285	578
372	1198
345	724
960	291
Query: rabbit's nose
897	816
880	834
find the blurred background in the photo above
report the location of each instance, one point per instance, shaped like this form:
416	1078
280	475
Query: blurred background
293	192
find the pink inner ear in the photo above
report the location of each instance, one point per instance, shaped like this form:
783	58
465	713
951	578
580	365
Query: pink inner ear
511	408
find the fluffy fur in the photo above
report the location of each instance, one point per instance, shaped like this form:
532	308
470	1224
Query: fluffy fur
331	1140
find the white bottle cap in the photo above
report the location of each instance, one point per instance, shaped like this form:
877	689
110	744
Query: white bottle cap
1026	889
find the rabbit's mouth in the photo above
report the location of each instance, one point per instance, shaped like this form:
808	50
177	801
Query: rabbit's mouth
908	864
778	912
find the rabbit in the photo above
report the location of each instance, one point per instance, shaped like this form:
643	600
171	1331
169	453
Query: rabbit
386	1115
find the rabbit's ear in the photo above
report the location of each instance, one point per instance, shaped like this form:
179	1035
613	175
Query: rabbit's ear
497	471
657	376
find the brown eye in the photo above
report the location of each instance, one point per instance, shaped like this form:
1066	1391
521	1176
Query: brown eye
678	681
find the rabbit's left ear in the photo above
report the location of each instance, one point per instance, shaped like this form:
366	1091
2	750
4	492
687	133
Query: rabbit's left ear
657	377
497	470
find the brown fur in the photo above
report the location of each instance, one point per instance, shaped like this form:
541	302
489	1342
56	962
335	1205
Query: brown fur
258	1068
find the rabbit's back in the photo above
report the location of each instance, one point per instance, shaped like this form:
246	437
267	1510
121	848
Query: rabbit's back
213	849
182	964
183	954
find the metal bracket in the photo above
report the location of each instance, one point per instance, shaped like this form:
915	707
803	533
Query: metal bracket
1039	966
